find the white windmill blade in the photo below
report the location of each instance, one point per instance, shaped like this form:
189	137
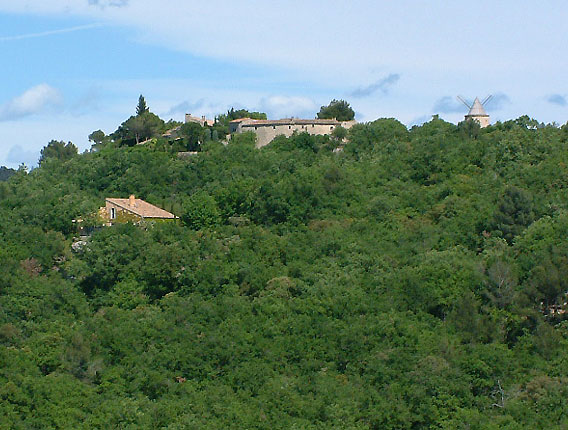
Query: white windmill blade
461	99
487	99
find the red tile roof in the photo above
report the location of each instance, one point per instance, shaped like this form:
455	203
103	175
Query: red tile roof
291	121
141	208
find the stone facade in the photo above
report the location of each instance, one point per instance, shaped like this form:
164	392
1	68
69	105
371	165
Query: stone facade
132	209
267	130
483	120
201	121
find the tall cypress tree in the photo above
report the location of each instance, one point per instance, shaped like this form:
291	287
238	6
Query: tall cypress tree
141	108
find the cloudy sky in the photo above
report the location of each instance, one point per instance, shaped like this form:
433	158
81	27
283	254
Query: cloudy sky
70	67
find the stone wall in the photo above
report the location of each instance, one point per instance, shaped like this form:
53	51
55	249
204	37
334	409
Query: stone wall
119	213
267	130
201	121
483	120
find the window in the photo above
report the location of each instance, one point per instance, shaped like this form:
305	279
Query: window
112	213
331	128
289	127
274	127
313	125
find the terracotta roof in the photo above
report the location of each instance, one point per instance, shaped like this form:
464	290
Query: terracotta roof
291	121
239	120
141	208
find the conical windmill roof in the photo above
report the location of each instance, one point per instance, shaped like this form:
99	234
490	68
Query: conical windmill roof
477	109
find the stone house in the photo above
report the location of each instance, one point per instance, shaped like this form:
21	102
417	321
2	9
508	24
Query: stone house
175	133
133	209
201	121
267	130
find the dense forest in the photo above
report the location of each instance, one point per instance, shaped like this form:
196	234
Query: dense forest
394	279
5	173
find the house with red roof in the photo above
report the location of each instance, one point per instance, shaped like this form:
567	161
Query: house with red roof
133	209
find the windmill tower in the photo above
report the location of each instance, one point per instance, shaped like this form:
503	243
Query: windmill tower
477	111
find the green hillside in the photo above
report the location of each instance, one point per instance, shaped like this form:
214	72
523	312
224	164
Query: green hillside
414	280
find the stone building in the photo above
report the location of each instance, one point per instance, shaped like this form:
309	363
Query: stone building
266	130
133	209
201	121
477	113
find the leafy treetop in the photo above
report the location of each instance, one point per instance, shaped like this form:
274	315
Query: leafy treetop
338	109
422	269
243	113
59	150
5	173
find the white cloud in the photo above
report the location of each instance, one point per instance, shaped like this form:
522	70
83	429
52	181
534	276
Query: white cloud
108	3
286	107
339	40
35	100
324	50
186	107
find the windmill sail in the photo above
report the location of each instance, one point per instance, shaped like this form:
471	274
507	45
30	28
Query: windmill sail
461	99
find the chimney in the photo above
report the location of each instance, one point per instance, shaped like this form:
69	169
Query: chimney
132	200
187	117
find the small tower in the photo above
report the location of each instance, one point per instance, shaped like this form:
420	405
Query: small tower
477	111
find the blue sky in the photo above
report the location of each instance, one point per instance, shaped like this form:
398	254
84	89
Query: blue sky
74	66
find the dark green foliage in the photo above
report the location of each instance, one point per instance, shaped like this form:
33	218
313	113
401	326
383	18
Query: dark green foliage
416	279
469	128
242	113
141	108
338	109
99	138
192	134
200	211
339	133
514	213
5	173
139	128
58	150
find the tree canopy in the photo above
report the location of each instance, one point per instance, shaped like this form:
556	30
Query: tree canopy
338	109
139	128
59	150
415	279
5	173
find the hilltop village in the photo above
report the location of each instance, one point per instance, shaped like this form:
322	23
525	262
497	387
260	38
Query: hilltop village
199	129
267	130
338	114
332	120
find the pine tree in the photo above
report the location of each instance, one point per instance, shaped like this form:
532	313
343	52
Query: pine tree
141	108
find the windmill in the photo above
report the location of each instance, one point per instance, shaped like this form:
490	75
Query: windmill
477	110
